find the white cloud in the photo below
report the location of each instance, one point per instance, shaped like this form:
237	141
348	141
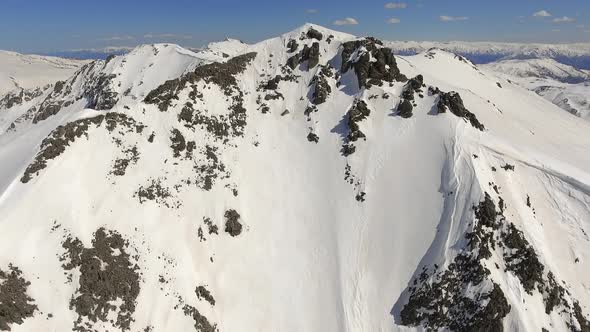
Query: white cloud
541	13
393	20
166	36
117	38
312	11
445	18
346	21
563	19
396	5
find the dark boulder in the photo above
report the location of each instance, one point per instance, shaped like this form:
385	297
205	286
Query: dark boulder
382	68
292	46
314	34
232	225
309	54
453	102
321	87
313	138
294	61
404	109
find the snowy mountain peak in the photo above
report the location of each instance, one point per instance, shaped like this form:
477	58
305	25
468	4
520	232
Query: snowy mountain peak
317	175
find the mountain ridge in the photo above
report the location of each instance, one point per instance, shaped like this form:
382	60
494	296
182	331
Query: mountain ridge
286	180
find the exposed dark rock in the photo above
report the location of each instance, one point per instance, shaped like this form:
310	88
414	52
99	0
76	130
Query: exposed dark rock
314	34
155	191
232	224
59	85
348	149
528	200
47	109
404	109
211	228
15	304
100	94
356	114
453	102
121	164
292	46
309	54
221	74
508	167
581	318
522	259
435	298
440	300
368	72
313	138
203	293
274	96
107	275
321	87
178	142
273	84
109	58
201	322
360	197
61	137
294	61
220	126
12	99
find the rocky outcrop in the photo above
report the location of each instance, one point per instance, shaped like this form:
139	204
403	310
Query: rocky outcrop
321	87
314	34
452	101
107	275
463	296
232	224
12	99
60	138
311	55
292	46
373	64
357	113
100	94
219	73
15	304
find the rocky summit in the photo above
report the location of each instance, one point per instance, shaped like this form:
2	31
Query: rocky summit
316	181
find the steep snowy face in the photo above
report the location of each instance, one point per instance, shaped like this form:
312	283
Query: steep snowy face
310	182
19	71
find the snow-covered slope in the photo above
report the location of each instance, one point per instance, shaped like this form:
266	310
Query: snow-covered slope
563	85
20	71
309	182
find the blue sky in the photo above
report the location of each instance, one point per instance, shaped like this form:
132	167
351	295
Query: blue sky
57	25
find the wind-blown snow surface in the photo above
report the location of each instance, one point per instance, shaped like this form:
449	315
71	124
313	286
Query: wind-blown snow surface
332	237
19	71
